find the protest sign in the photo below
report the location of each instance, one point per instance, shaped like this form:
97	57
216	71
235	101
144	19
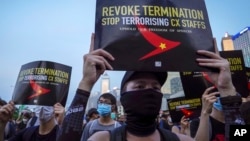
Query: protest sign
151	35
238	69
195	83
248	76
188	107
42	83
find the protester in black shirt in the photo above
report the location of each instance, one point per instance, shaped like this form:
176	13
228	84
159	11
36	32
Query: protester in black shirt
47	130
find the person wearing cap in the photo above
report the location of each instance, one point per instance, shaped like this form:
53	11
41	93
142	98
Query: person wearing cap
140	97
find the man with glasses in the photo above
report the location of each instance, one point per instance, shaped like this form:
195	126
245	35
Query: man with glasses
105	106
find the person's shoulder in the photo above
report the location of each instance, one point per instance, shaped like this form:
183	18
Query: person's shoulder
88	124
100	136
117	124
31	129
184	137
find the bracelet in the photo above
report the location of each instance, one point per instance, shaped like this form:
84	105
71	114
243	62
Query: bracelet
82	92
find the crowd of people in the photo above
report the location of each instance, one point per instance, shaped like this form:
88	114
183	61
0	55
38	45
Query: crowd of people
42	125
141	99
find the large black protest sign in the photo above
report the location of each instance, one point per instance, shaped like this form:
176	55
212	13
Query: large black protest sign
195	83
42	83
248	76
238	69
154	35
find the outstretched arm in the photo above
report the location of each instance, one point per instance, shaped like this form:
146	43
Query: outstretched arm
221	78
208	98
229	98
95	63
59	113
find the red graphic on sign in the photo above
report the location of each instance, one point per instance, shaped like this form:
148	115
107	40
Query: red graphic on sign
187	112
161	44
205	75
37	89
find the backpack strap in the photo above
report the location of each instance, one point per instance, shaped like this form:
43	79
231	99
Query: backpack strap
33	121
168	135
92	122
118	134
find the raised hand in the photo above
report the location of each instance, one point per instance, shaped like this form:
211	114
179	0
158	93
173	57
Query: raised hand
221	78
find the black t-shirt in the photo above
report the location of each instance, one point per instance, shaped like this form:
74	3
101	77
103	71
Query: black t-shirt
20	126
32	134
194	126
165	125
218	130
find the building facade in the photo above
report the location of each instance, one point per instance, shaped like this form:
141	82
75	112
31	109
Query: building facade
241	41
227	42
105	83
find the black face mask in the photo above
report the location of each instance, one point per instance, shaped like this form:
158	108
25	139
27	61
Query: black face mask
142	108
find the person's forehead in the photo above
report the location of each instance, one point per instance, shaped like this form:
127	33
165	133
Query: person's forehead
143	76
104	99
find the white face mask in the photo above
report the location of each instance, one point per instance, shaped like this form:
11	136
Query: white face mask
169	119
25	120
37	111
46	113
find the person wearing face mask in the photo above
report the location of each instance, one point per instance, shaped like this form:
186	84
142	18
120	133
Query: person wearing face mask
105	107
47	130
166	121
214	115
34	121
140	97
23	120
212	118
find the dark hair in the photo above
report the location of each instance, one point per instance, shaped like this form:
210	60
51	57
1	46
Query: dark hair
92	111
27	115
2	102
110	97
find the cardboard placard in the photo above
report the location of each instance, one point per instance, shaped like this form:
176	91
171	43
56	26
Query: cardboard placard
151	35
188	107
42	83
238	69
